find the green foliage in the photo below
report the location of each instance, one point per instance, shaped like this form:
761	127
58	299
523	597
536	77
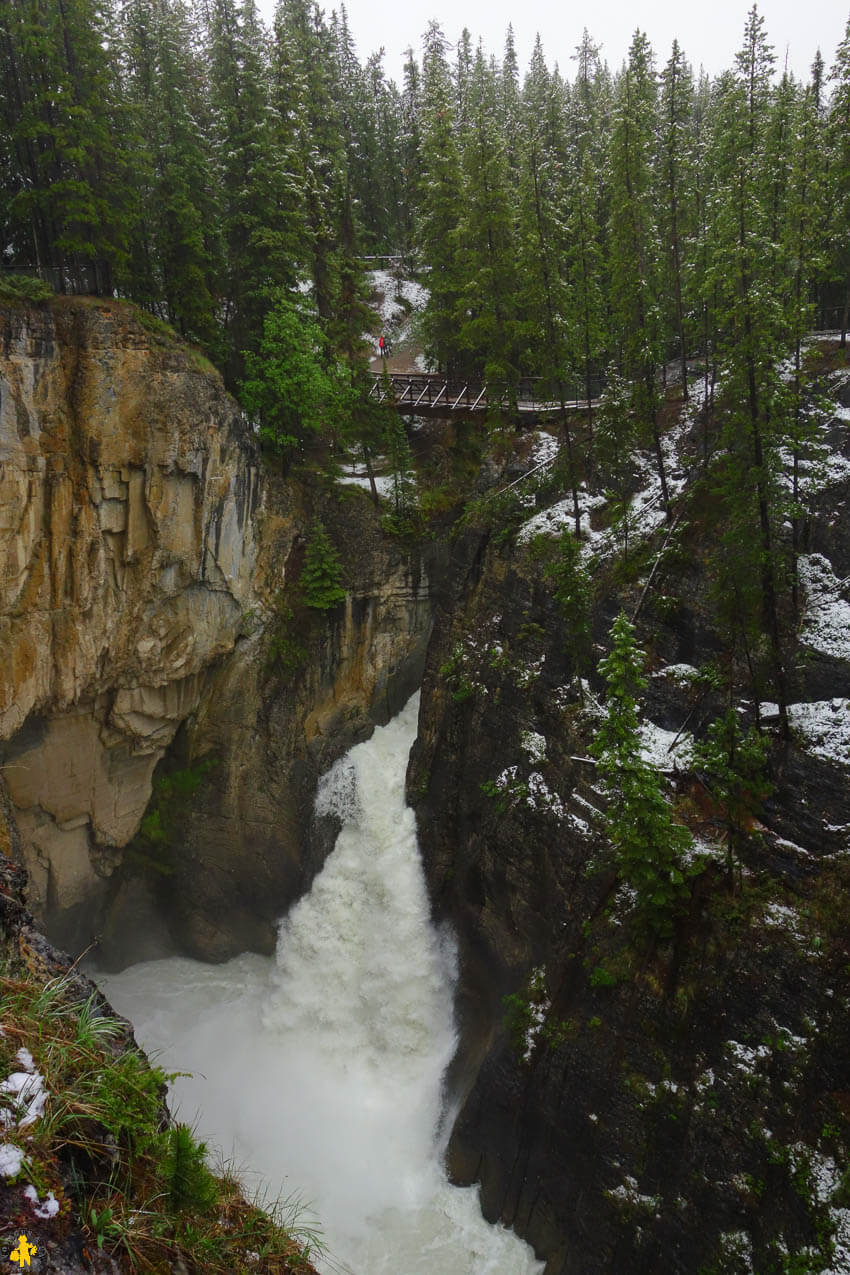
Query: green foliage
571	590
455	673
602	977
289	387
23	289
507	791
648	844
524	1013
192	1187
173	796
322	573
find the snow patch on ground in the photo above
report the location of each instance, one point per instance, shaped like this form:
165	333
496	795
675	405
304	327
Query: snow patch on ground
629	1193
11	1160
681	673
391	309
779	916
541	798
544	448
534	744
826	624
383	483
27	1095
824	728
746	1058
48	1209
553	520
665	749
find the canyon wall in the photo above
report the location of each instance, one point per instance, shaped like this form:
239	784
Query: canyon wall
145	559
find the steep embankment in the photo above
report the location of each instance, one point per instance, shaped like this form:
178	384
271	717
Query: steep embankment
150	573
678	1107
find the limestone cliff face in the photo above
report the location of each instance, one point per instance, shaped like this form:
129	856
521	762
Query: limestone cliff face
128	489
144	561
248	847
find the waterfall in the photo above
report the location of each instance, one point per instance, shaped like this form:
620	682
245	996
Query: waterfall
323	1069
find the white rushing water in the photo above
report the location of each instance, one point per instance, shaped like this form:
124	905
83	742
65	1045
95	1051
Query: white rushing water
322	1069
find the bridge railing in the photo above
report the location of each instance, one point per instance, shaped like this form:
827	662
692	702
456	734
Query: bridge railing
458	393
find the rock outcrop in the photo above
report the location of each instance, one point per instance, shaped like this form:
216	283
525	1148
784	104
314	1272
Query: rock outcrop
128	491
146	559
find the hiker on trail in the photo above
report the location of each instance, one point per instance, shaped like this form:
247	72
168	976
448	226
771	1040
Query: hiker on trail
382	346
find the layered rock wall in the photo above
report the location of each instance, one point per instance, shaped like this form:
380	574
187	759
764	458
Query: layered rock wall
146	559
128	490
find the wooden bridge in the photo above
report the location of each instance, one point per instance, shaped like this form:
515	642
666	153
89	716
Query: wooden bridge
431	393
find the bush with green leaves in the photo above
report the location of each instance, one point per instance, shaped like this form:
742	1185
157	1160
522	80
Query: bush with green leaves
648	843
322	573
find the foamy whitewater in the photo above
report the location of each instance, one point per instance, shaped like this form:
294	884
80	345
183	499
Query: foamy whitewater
322	1070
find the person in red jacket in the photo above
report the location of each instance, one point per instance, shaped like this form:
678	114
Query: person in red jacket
382	346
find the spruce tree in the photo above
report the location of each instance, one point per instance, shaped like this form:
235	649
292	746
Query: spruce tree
440	202
839	172
751	327
322	572
634	242
175	250
648	844
487	322
676	163
63	119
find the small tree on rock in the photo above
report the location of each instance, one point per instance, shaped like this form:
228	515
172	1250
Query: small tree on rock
648	844
321	575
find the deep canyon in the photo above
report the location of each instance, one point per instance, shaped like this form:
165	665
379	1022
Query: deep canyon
681	1108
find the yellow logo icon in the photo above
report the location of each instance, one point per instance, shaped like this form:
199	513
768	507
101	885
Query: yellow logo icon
23	1252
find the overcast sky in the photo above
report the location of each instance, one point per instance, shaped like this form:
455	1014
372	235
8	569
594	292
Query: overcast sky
709	32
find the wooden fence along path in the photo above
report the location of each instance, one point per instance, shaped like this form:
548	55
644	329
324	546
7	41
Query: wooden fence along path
432	392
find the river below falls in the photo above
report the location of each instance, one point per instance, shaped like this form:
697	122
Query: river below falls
318	1074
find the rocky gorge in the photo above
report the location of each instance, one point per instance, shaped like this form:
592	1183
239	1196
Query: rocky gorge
682	1107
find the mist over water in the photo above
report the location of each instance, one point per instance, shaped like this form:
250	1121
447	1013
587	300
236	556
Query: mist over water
322	1069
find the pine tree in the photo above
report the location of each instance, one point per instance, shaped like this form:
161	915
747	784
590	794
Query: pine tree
487	324
648	844
676	162
544	297
174	256
288	387
839	170
751	327
322	573
63	120
634	243
440	202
